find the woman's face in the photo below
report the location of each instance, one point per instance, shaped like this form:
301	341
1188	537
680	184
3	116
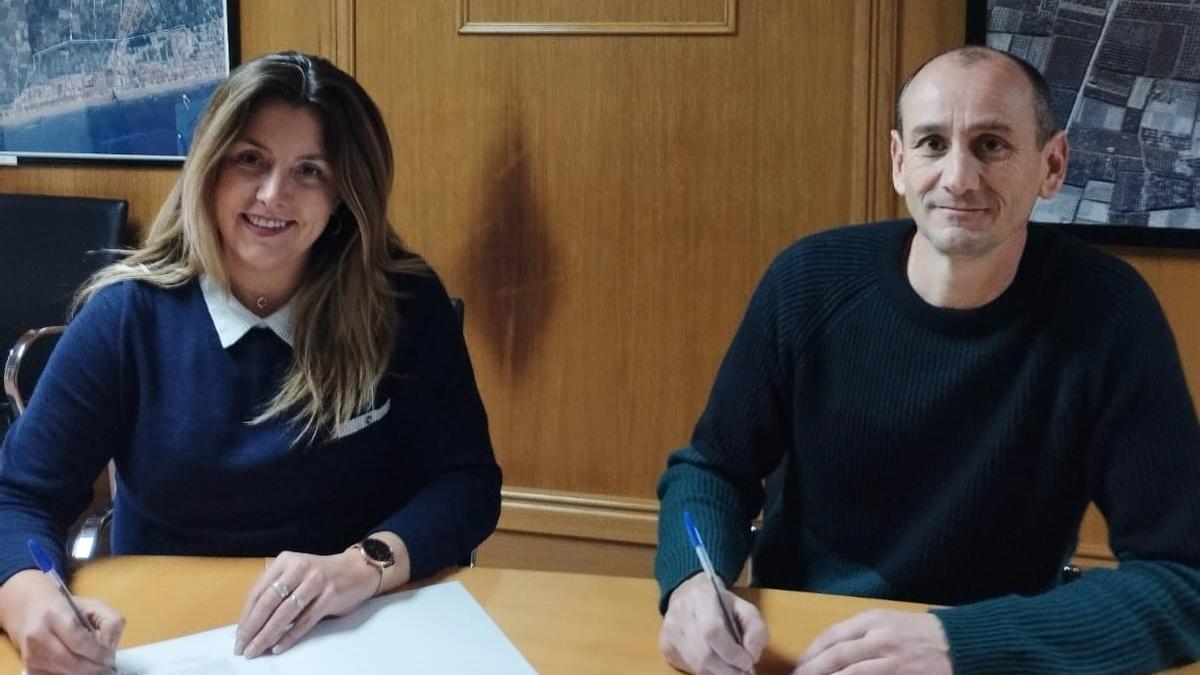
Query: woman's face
274	195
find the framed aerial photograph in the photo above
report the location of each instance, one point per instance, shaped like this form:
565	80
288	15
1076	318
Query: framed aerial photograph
108	80
1125	83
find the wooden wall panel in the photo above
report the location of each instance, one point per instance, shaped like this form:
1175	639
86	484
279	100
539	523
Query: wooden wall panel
562	531
605	204
924	29
597	11
324	27
615	17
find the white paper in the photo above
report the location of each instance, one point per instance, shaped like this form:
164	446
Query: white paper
436	629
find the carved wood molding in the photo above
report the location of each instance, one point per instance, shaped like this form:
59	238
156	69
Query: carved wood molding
629	520
337	34
573	514
883	79
727	25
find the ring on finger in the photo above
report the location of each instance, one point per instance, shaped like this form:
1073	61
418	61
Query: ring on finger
281	589
301	603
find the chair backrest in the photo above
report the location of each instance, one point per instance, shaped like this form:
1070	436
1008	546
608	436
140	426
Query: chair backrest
49	245
24	365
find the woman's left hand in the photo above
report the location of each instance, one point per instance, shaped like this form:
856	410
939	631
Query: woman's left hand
296	592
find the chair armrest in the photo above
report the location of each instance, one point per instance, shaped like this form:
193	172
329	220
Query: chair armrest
92	537
12	365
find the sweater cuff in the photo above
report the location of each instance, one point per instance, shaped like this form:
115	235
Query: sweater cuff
981	641
670	580
16	558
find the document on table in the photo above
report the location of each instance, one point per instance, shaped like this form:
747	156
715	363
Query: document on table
436	629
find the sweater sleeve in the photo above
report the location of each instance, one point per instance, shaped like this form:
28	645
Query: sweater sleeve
458	503
1145	476
56	449
741	435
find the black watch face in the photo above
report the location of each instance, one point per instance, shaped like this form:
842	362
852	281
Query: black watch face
377	550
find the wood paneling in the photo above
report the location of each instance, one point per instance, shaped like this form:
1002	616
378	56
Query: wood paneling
1093	550
573	532
884	46
514	549
612	17
925	28
322	27
606	203
572	514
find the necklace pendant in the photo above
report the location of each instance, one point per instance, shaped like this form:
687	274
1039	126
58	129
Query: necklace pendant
261	302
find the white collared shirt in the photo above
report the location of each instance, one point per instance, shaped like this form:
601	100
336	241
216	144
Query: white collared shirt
232	320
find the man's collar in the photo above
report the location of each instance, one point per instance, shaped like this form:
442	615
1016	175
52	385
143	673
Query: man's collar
232	320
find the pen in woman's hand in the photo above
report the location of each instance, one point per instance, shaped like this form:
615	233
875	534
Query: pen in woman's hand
46	565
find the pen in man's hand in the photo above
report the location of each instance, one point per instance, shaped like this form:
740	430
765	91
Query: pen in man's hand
731	623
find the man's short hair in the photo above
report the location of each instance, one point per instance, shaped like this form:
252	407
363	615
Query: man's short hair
1043	114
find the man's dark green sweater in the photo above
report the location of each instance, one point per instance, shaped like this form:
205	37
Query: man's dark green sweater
947	456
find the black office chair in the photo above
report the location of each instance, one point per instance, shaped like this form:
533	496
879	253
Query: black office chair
48	246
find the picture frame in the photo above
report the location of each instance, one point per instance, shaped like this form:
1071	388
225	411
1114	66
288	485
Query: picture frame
108	81
1124	79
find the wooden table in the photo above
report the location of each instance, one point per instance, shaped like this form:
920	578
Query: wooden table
573	624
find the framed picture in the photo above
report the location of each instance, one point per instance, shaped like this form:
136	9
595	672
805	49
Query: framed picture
108	80
1124	80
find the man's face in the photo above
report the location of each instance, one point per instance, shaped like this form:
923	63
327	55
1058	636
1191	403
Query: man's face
967	161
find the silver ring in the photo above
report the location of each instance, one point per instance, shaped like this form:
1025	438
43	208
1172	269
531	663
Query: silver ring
300	601
281	589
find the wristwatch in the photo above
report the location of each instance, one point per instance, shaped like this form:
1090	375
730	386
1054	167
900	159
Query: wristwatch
376	552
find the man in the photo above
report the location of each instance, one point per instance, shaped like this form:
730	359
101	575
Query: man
946	398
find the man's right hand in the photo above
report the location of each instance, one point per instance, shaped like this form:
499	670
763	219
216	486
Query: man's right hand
41	624
694	638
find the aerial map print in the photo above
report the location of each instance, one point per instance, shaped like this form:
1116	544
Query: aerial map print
1125	83
109	79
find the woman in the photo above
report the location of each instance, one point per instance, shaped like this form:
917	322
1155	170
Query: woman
271	372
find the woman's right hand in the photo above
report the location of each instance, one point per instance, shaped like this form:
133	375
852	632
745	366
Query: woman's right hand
41	624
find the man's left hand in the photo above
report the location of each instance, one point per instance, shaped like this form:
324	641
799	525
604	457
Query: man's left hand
880	641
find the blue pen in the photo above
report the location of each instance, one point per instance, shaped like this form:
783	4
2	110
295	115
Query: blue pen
731	623
45	564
